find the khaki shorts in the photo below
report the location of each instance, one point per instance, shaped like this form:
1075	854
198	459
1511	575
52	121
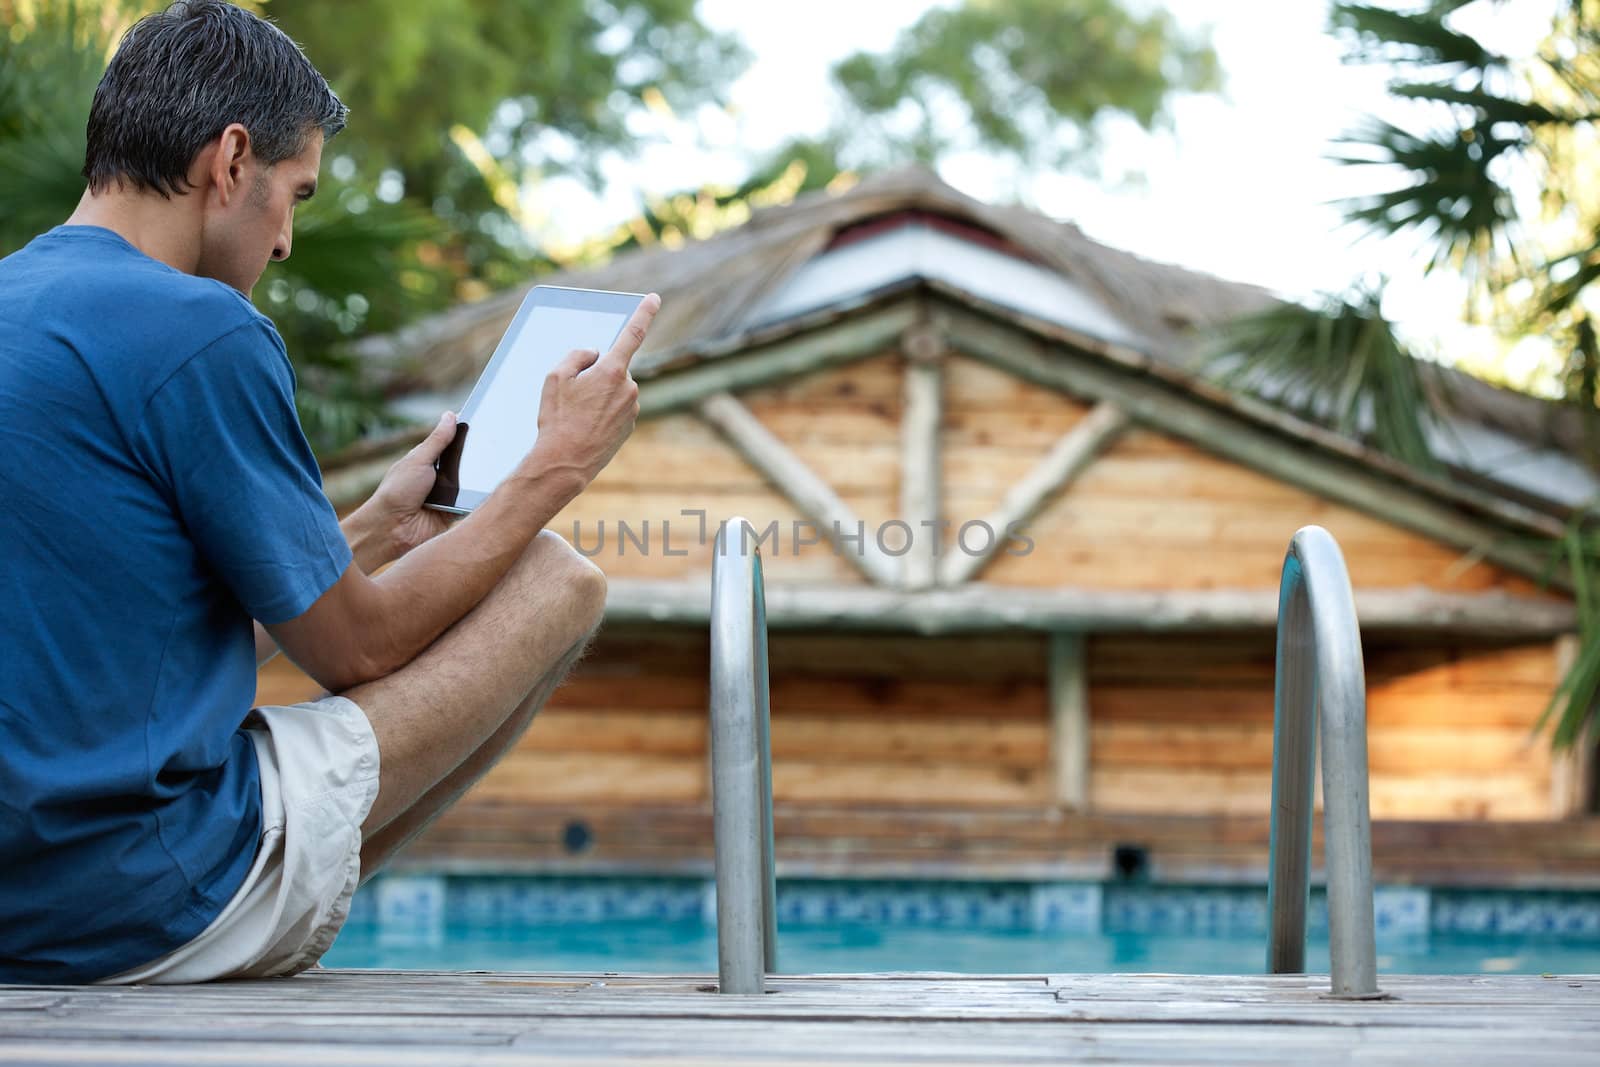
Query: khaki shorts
319	777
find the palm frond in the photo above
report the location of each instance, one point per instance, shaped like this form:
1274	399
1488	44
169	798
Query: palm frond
40	183
1490	107
48	76
351	271
1453	198
1574	708
336	400
1340	364
1564	279
1415	36
370	252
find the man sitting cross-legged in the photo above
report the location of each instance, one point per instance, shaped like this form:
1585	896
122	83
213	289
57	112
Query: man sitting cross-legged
164	531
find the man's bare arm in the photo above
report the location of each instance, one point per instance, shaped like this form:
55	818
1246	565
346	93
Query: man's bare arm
372	543
363	628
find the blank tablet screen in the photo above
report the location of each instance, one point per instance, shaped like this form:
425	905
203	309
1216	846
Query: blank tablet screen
499	423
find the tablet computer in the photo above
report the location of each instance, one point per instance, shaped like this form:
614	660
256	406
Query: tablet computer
500	420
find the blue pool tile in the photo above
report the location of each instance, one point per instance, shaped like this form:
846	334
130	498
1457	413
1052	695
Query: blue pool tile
415	907
363	910
411	910
1178	910
1401	910
409	899
1538	915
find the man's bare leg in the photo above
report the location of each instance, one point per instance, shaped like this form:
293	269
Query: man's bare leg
439	712
379	848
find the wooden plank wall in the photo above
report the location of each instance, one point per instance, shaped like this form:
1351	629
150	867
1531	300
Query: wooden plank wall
996	428
843	423
672	463
888	720
1178	726
1185	727
1156	512
876	721
873	719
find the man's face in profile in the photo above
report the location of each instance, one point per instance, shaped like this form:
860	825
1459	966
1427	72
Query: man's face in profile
242	237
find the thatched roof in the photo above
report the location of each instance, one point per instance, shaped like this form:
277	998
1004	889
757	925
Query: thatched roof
712	287
709	287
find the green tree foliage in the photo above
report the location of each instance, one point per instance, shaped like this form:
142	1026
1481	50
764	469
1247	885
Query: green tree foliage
1022	78
1495	170
1029	81
458	102
453	105
1502	128
514	70
50	63
409	220
1505	124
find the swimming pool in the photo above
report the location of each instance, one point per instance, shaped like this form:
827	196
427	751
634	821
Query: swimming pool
663	926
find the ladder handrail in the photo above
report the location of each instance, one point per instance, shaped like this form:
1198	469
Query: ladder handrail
1319	669
741	765
1320	676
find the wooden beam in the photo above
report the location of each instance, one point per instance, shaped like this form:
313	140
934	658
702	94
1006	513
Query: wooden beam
814	498
978	607
1069	721
1571	772
749	360
1237	435
921	471
1076	449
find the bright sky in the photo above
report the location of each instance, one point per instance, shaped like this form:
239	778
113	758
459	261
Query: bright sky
1239	188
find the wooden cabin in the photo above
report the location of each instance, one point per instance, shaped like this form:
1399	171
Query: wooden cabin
1090	695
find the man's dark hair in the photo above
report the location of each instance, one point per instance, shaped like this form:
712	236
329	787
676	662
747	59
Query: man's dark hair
182	75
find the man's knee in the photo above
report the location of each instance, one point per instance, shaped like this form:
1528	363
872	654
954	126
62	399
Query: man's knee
577	584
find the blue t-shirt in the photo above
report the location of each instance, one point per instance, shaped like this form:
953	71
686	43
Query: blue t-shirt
156	494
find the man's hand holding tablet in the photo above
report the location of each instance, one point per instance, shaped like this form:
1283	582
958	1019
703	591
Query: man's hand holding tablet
589	404
537	382
587	408
562	426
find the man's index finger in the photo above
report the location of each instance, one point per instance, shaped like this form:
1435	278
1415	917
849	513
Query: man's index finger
633	333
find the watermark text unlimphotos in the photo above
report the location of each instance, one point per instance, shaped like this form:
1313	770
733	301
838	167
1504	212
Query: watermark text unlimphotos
896	537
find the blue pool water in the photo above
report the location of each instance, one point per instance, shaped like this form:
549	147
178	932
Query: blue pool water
690	947
622	925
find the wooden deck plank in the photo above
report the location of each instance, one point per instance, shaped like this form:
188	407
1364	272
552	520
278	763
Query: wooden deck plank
391	1017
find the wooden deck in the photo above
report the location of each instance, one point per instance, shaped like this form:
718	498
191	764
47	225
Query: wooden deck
398	1018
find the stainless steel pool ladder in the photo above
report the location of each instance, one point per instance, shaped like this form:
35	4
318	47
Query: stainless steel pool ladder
741	765
1319	668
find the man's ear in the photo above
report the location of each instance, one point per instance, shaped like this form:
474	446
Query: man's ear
222	163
